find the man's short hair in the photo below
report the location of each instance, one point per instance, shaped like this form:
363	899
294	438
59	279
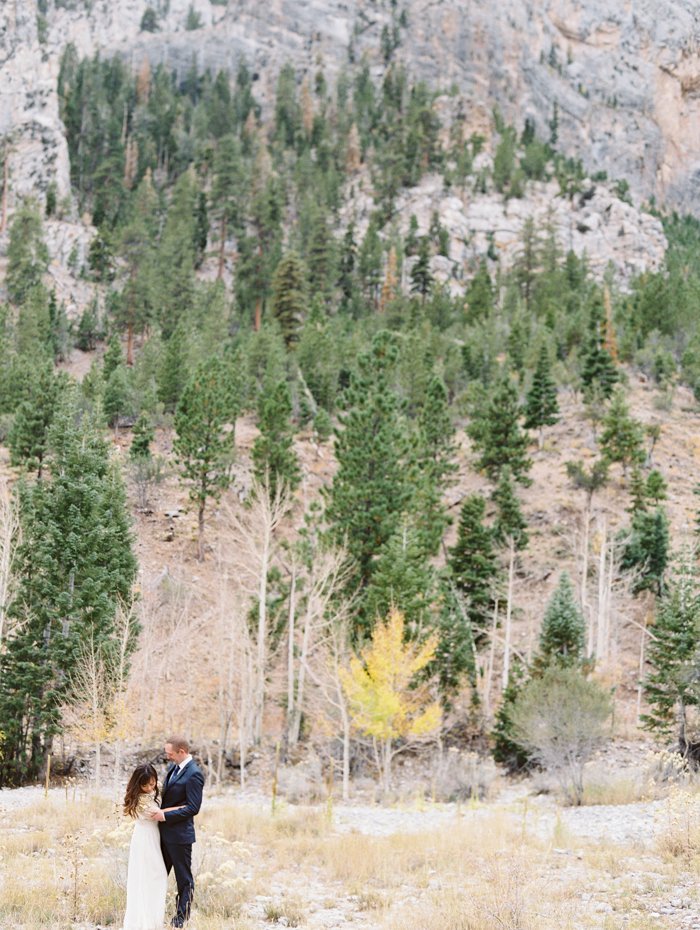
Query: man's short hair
179	743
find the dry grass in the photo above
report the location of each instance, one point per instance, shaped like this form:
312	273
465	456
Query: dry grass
64	864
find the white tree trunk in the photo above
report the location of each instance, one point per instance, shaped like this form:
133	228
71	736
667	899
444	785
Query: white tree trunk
290	648
602	639
511	572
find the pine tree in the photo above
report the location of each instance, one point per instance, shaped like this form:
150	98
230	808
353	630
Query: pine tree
75	566
672	685
347	280
563	633
435	453
227	191
136	309
321	258
421	277
541	406
622	438
142	437
495	433
656	486
454	661
113	357
116	401
479	295
30	429
403	580
638	491
505	750
173	369
510	523
646	550
276	462
288	297
473	565
371	488
27	253
598	366
204	447
173	275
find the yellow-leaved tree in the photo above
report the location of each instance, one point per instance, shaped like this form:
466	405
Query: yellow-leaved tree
385	701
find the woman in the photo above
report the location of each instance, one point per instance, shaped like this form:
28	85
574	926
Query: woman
147	880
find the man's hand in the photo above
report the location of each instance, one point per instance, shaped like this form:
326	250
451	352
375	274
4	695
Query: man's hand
158	815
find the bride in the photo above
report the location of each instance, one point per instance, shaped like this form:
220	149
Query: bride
147	879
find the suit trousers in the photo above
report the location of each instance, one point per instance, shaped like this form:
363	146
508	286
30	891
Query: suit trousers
179	858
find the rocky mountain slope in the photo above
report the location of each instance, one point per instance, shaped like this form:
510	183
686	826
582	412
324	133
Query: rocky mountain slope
625	77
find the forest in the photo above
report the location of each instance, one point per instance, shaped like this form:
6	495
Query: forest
231	280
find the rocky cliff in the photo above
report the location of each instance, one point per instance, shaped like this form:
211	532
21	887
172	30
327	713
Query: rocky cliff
625	76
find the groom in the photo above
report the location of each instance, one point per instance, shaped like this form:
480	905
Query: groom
182	789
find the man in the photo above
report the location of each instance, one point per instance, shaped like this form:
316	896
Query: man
182	789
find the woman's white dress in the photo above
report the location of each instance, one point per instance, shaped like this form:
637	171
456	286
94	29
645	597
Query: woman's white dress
147	879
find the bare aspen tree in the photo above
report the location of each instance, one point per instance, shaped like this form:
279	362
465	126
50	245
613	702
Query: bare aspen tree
119	716
252	552
9	540
327	577
509	604
330	664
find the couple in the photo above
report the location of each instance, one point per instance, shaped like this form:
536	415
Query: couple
162	839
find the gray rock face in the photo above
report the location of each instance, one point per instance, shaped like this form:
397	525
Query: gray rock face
625	77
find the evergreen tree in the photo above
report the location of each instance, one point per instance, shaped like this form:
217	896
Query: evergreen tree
101	256
173	368
541	406
371	487
173	279
142	437
638	491
403	580
136	309
30	429
288	297
27	254
116	401
505	750
321	257
622	438
646	550
598	366
656	486
75	566
347	280
454	660
671	687
495	433
510	522
421	277
204	447
369	265
473	565
479	295
227	191
563	633
435	452
113	357
276	462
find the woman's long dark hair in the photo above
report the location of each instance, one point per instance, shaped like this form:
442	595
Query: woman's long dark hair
140	777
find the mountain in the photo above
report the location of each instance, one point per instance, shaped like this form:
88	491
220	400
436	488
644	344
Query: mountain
625	77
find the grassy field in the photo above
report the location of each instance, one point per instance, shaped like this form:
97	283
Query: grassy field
63	864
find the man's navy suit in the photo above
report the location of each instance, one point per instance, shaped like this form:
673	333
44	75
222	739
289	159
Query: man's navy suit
182	788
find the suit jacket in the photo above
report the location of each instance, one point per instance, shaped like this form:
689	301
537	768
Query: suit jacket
182	789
